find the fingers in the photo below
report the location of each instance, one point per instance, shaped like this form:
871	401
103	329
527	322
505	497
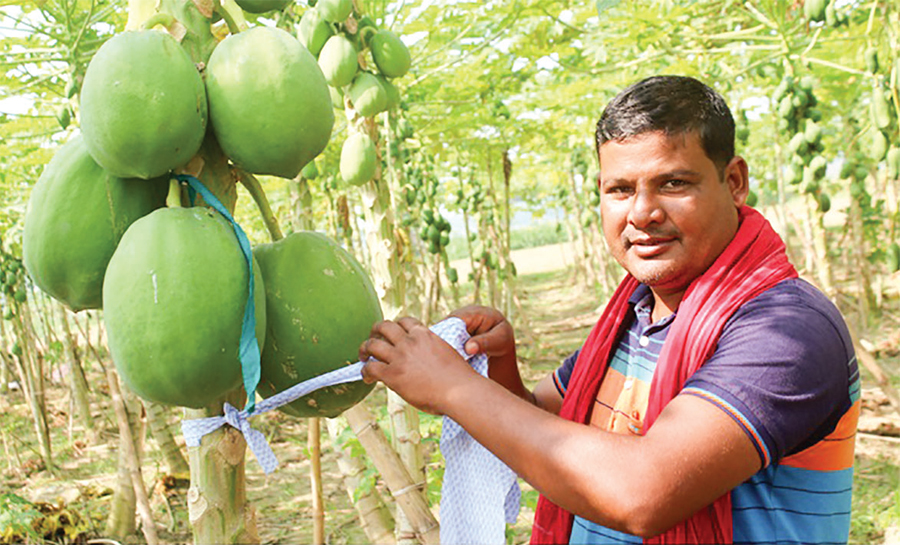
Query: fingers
388	330
373	370
408	324
379	349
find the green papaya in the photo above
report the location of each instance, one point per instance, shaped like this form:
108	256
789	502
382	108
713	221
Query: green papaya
880	108
879	145
310	171
313	31
338	61
321	305
263	6
893	162
453	275
367	95
173	303
358	159
64	116
871	59
818	165
16	349
335	11
269	102
75	216
143	105
824	202
390	54
337	97
893	257
798	146
815	9
20	295
391	92
812	132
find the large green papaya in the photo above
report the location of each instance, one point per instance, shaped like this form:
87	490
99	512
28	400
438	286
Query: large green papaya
390	54
367	95
334	11
75	217
173	303
358	159
313	31
815	9
263	6
268	101
143	105
338	61
321	305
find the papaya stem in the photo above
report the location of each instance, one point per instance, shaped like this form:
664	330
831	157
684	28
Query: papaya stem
164	19
255	189
229	20
173	200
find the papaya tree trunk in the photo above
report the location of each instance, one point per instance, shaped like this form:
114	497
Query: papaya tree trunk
374	516
31	378
315	477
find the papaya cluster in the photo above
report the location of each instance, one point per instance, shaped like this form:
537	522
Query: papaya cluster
173	282
825	10
882	113
436	231
12	281
344	42
799	119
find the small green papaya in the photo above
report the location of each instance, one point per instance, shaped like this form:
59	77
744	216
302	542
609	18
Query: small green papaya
358	159
390	54
893	257
815	9
367	95
263	6
63	117
75	216
337	97
313	31
453	275
334	11
310	171
391	92
321	305
16	349
143	105
173	303
893	162
824	202
871	59
880	108
338	61
812	132
879	145
818	165
269	102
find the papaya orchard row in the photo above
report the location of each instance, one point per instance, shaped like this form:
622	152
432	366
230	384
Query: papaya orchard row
506	101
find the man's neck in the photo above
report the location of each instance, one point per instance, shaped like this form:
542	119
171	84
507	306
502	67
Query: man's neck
665	304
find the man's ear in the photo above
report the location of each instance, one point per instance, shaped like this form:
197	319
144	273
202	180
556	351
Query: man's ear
737	176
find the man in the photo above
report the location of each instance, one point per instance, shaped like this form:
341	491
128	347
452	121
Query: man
716	399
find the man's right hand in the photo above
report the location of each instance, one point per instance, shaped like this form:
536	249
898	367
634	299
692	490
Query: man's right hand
490	332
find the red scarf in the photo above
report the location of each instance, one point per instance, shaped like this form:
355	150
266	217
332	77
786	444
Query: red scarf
753	262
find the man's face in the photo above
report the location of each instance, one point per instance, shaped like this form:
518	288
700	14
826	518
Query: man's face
667	214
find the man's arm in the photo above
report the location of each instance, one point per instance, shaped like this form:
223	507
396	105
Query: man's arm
642	485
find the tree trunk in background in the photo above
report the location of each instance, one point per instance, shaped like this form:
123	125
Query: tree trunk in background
176	463
77	382
863	276
301	205
30	368
121	521
374	515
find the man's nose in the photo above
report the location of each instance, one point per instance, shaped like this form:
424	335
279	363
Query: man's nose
646	209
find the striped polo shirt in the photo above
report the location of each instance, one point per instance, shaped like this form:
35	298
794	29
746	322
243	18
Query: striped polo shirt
785	371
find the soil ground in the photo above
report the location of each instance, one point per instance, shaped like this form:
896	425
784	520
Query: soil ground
559	315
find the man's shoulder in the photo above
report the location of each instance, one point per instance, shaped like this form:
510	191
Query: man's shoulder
792	303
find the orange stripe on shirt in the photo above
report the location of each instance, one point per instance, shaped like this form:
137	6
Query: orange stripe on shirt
834	452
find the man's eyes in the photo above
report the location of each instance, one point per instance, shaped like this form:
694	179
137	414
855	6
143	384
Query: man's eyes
675	182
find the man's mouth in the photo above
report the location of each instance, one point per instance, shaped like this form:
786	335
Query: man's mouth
647	247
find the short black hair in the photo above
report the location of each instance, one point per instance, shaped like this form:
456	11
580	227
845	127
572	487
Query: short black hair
673	105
